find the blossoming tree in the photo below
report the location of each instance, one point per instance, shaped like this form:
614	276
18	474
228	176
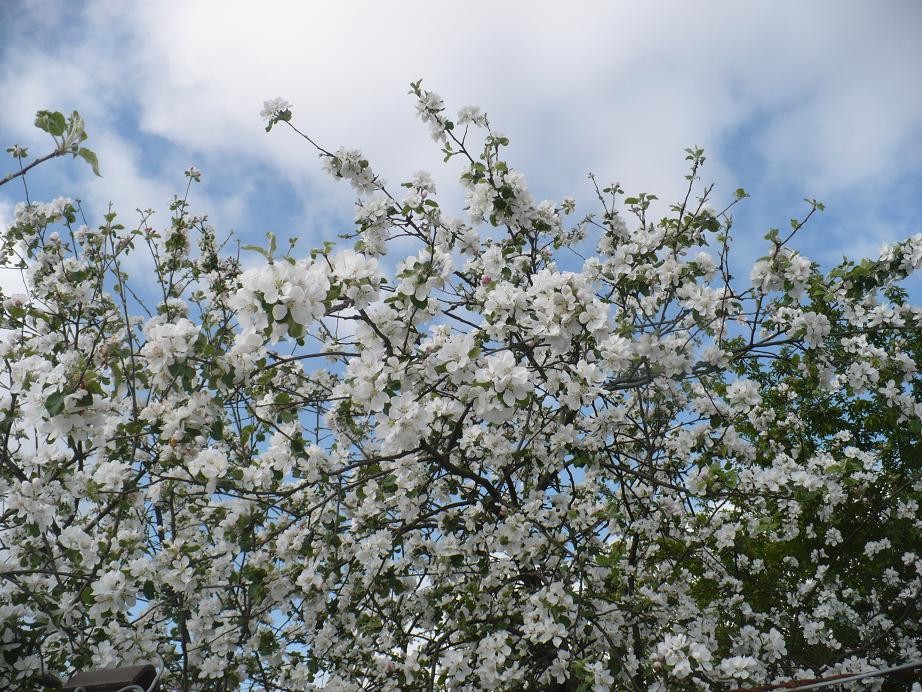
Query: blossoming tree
496	466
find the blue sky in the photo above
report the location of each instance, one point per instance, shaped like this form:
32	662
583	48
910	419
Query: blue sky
789	100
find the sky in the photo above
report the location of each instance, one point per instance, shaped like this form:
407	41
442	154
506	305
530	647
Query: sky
788	99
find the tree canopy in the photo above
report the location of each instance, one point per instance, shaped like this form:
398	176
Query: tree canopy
534	450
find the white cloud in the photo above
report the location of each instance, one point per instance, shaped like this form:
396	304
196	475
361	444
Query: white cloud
617	88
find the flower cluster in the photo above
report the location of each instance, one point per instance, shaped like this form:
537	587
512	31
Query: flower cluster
350	165
280	299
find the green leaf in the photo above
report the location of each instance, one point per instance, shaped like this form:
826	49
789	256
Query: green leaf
295	329
256	248
90	158
55	403
76	131
51	122
217	429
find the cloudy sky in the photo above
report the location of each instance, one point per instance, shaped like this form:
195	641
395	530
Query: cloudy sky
789	100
